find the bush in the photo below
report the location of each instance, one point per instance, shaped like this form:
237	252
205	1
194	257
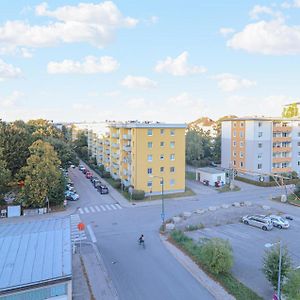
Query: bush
116	184
106	174
138	195
291	288
265	184
217	255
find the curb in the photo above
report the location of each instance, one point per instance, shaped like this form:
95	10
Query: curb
216	290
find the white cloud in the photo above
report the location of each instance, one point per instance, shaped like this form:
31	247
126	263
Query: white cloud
295	3
89	65
138	82
268	37
10	101
87	22
82	107
225	31
8	71
178	66
181	100
229	83
258	10
112	94
136	103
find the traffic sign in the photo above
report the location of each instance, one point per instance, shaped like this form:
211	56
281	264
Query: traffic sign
162	216
80	226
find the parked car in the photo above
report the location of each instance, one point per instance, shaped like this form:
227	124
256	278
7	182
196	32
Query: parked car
96	183
73	166
70	188
88	175
80	167
71	196
102	189
84	170
279	222
260	221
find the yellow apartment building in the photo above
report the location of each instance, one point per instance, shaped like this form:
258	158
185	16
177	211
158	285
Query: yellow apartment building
143	154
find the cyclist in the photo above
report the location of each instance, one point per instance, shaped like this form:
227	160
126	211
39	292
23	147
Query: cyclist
142	240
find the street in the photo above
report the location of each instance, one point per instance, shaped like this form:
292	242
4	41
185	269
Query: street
151	273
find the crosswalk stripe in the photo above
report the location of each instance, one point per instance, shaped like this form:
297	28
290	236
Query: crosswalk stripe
80	210
97	208
86	210
108	207
103	208
113	206
118	206
92	209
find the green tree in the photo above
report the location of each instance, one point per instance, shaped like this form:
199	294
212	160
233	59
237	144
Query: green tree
5	175
271	264
81	146
216	149
56	194
40	175
41	128
217	255
291	289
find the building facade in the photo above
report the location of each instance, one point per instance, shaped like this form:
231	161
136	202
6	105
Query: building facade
261	145
142	154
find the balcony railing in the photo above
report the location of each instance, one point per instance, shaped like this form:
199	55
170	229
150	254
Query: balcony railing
116	166
114	145
127	148
115	135
127	136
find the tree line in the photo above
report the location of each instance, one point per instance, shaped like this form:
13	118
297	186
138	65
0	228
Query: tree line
32	156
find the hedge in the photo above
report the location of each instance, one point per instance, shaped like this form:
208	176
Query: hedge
265	184
138	195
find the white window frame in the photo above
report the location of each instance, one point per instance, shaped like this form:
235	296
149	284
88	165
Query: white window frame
172	156
150	132
150	158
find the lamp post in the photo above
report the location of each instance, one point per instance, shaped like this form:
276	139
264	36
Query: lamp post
269	245
162	199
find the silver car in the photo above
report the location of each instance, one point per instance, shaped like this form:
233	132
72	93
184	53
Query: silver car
260	221
279	222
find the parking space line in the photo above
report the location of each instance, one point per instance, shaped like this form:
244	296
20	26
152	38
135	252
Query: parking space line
97	208
103	208
118	206
113	206
92	209
80	210
86	210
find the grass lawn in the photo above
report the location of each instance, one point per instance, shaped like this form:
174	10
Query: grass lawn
190	175
292	199
188	192
226	188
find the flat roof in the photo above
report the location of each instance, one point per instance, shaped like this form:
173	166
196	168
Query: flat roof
255	118
137	124
32	253
210	170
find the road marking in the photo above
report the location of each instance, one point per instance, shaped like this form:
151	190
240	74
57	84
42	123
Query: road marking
80	210
108	207
103	208
92	209
118	206
97	208
91	232
113	206
86	210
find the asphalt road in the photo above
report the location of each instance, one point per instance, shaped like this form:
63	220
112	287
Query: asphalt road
151	273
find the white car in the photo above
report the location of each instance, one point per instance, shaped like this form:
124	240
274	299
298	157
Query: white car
260	221
279	222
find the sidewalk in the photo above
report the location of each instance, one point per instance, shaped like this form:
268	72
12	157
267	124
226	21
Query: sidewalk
90	277
213	287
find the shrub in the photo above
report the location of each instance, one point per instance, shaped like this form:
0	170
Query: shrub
106	174
116	184
194	227
217	255
138	195
291	288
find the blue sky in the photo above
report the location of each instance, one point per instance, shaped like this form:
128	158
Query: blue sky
170	61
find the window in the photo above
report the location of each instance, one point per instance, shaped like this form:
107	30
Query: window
259	145
298	153
259	166
234	143
241	164
172	132
234	154
149	184
260	134
162	144
241	144
172	144
234	162
150	145
162	131
298	163
259	156
234	124
172	182
172	156
241	134
241	154
242	124
161	169
298	134
149	171
234	133
150	157
298	143
150	132
162	157
172	169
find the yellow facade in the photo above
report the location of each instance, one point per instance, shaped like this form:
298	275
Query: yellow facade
140	153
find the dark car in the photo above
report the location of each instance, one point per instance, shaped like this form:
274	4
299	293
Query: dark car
96	183
102	189
84	170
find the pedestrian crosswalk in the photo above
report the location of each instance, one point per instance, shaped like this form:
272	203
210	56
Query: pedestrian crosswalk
99	208
76	235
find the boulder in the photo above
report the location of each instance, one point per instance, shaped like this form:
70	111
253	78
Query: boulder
170	226
176	219
200	211
212	208
236	204
225	205
187	214
248	203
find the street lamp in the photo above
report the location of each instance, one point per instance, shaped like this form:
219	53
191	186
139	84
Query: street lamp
269	245
162	199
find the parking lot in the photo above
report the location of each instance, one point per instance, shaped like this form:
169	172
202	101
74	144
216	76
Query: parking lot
248	244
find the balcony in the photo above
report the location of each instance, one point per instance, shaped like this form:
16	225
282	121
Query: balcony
282	170
282	149
115	166
282	128
127	136
281	159
126	182
107	143
116	146
127	148
282	139
107	151
116	155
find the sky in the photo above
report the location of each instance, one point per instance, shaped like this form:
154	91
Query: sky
169	61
